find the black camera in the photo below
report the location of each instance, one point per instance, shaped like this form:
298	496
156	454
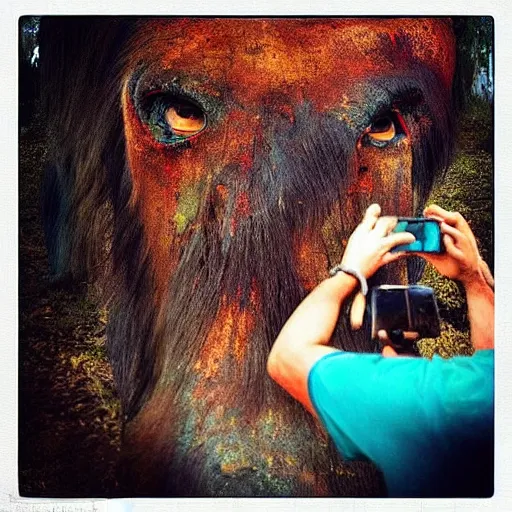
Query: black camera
398	309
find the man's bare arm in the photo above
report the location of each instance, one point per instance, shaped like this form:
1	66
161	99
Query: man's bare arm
462	261
305	336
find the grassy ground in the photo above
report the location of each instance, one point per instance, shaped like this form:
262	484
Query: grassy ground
69	425
468	187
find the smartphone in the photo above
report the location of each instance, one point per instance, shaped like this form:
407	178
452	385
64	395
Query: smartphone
426	231
410	308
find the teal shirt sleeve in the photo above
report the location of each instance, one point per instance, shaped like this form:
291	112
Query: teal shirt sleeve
417	420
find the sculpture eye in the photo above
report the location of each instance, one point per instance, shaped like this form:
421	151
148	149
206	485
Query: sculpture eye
382	129
185	118
172	118
385	129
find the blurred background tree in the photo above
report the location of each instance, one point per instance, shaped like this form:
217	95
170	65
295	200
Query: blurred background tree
29	79
475	56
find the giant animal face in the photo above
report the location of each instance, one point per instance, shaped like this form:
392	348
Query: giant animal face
249	150
302	121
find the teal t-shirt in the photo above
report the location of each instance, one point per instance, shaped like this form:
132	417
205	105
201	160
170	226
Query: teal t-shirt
427	424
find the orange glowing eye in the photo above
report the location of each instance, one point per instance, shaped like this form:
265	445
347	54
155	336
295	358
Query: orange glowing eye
184	118
382	129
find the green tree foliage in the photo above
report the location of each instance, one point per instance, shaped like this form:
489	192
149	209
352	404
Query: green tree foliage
475	43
